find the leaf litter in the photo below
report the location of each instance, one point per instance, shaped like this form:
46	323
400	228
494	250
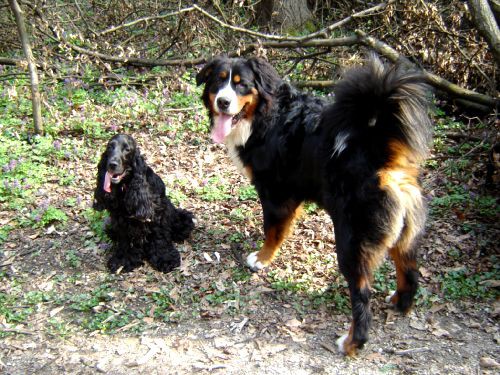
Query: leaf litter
212	315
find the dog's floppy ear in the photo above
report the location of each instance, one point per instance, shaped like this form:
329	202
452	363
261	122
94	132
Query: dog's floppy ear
266	78
138	196
204	73
99	197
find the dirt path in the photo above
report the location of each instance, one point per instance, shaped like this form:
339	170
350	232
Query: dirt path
440	343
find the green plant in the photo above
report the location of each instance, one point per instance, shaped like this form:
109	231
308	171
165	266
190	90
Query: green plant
49	215
164	304
310	208
97	221
4	233
214	190
381	280
247	193
57	327
85	302
73	259
460	284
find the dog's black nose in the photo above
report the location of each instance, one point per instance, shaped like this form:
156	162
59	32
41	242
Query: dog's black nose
223	103
112	165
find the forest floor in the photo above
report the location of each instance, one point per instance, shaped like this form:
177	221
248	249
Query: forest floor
62	312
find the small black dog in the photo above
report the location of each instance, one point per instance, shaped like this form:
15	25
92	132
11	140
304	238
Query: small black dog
144	222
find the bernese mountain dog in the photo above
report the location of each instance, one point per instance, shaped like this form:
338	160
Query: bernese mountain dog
358	157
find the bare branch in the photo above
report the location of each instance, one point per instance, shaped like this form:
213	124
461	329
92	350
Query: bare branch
243	30
432	79
146	19
324	32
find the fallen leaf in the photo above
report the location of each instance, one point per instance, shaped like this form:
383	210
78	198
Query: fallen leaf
488	362
55	311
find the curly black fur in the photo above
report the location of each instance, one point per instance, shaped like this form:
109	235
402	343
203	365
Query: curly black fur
144	223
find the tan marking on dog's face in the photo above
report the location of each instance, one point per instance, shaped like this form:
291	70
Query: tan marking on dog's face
236	79
249	102
223	74
211	99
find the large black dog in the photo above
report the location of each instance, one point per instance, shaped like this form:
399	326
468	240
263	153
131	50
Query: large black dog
144	222
358	157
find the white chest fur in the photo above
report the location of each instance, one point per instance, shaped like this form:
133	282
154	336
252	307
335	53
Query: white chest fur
238	137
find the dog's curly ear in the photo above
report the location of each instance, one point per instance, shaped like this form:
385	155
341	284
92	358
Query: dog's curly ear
206	71
138	163
99	194
266	78
138	197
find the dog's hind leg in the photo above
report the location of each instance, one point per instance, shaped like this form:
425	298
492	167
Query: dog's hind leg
278	221
404	255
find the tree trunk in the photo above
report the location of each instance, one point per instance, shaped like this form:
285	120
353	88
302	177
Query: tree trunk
485	22
35	93
288	14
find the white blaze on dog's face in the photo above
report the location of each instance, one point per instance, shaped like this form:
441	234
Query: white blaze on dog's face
226	100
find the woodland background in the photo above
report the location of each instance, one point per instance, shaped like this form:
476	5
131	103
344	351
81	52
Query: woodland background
97	68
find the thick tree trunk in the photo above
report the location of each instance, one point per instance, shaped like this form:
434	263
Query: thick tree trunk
288	14
35	92
486	23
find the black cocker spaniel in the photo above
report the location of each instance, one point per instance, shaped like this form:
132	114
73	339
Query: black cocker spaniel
144	223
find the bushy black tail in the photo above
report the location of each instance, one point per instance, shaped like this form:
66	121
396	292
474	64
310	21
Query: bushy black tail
182	225
384	103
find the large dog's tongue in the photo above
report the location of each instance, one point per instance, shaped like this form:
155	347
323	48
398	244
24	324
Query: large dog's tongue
107	183
222	128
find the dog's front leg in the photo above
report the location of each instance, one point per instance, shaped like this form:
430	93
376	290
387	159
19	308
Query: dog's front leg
278	221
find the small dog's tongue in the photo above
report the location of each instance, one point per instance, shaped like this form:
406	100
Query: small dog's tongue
222	128
107	183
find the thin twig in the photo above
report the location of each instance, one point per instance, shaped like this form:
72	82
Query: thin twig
323	33
18	331
145	19
408	351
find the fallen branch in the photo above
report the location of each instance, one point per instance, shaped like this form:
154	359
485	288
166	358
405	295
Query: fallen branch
9	61
134	61
432	79
314	84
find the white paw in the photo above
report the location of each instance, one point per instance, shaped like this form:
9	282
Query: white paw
389	297
340	342
253	263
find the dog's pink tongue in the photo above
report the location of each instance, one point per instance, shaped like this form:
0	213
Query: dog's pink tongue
107	182
222	128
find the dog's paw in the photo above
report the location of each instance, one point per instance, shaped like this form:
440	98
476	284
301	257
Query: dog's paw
253	263
389	298
340	343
